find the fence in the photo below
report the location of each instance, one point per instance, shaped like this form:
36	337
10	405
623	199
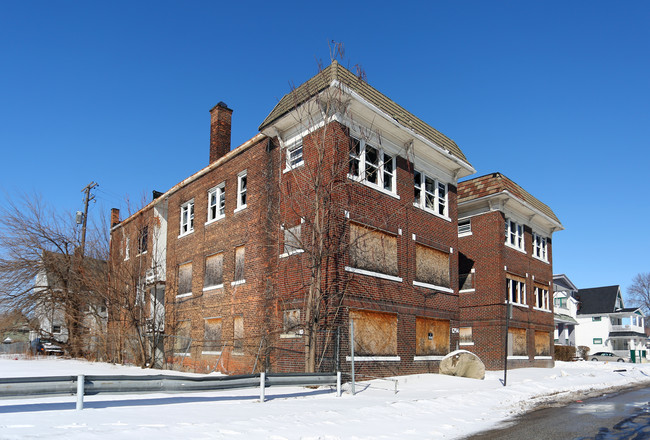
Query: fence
92	385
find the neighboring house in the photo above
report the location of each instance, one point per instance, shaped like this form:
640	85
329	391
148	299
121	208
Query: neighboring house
505	246
606	324
54	288
238	265
566	307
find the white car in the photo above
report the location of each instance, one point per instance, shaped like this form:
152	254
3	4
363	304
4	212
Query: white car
606	356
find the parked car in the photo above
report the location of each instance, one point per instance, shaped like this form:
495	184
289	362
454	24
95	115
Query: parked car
47	347
606	356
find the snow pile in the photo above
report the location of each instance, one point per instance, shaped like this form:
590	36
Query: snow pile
426	406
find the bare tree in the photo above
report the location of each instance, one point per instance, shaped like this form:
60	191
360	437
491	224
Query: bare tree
42	272
639	291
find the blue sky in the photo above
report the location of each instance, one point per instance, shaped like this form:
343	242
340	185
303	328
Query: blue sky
553	94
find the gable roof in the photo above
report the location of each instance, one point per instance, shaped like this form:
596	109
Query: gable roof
598	300
496	183
336	72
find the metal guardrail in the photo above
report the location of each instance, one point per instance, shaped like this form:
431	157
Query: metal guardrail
91	385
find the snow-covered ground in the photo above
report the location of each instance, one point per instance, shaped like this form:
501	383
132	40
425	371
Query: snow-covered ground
426	406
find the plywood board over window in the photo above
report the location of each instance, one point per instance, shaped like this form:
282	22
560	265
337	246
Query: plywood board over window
238	335
373	250
542	344
240	253
517	345
432	336
212	334
375	333
183	340
431	266
185	278
213	271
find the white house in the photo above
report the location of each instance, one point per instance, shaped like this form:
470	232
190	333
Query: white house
606	325
565	306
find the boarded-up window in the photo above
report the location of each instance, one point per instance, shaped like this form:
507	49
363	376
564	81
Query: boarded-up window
373	250
238	334
432	336
292	239
239	263
213	271
466	281
375	333
212	334
465	335
431	266
542	344
183	340
291	321
185	278
517	345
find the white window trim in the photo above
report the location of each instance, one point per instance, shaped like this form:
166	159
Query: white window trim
287	163
215	287
422	204
544	357
427	358
290	336
241	206
183	354
190	218
288	254
467	233
541	310
238	282
374	359
432	287
521	249
184	295
467	291
127	249
538	291
219	190
212	353
522	295
519	358
466	343
373	274
545	247
379	186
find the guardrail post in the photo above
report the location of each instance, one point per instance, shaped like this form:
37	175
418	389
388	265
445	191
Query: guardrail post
338	384
262	385
80	391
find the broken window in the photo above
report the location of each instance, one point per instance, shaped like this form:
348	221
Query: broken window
143	238
213	271
517	345
430	194
212	335
464	227
183	340
185	279
294	156
542	299
238	335
217	202
431	266
239	264
371	165
292	239
465	336
291	321
542	344
187	217
373	250
516	289
242	183
375	333
432	336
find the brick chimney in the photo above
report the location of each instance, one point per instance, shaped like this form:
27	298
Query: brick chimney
220	117
115	216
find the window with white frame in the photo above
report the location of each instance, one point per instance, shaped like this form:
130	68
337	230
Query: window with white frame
242	181
542	298
465	227
540	247
291	322
143	239
516	290
371	165
127	248
187	217
430	194
515	234
294	156
217	202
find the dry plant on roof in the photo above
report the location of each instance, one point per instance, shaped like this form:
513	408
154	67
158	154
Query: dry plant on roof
44	275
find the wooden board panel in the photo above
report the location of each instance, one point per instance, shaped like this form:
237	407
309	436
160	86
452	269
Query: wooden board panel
373	250
431	266
432	336
519	344
375	333
542	344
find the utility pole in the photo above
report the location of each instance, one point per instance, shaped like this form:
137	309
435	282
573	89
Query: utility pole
87	198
